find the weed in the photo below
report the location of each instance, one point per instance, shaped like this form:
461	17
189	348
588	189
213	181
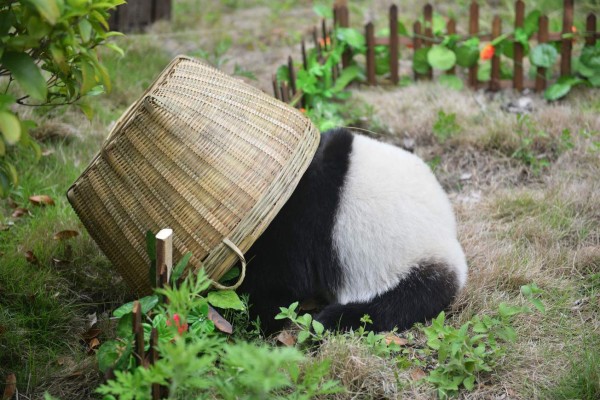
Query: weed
445	126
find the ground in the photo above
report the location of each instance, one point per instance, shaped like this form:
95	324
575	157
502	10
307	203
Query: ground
525	190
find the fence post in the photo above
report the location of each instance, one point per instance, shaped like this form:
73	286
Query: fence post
518	47
285	94
394	44
138	333
567	43
153	358
590	30
370	35
416	44
473	31
316	40
164	256
292	75
540	78
428	18
451	30
275	90
495	74
344	22
304	61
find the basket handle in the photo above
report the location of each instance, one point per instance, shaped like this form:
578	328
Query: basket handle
240	255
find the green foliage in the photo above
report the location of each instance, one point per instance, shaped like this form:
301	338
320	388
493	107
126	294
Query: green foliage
445	126
543	55
463	354
198	361
49	51
440	57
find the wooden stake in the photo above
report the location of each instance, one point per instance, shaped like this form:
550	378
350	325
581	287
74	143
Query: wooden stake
540	78
428	17
292	75
567	43
138	333
370	35
304	60
473	31
590	30
394	45
495	74
518	47
164	256
275	90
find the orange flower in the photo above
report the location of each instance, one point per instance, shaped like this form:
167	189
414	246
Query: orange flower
303	110
328	41
487	52
410	46
573	29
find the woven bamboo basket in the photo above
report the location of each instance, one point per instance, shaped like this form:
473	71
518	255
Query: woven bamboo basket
201	153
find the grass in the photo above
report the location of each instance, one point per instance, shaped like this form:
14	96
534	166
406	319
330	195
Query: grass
517	225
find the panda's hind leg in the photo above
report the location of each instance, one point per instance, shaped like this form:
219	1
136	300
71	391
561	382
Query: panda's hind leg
428	289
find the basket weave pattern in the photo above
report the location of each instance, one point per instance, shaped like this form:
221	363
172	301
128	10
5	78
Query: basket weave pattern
201	153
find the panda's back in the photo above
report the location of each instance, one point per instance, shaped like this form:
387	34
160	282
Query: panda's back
392	215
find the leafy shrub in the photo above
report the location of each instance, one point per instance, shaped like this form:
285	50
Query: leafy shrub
196	360
49	50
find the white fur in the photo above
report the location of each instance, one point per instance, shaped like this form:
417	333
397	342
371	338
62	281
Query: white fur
393	214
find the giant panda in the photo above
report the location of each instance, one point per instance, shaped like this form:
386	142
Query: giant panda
368	230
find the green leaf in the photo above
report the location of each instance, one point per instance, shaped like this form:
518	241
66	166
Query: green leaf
440	57
469	382
531	23
231	274
116	48
180	267
595	80
467	56
283	74
10	127
88	77
451	81
402	31
49	9
484	72
85	30
108	354
86	109
302	336
2	148
347	76
590	57
318	327
557	91
420	64
147	304
26	73
352	38
225	299
543	55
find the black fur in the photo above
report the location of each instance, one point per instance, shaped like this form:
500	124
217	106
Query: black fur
421	295
293	259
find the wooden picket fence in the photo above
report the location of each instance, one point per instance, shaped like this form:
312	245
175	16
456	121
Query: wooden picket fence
422	36
135	15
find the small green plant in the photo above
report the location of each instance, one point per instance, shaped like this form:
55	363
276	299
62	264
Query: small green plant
196	360
529	135
462	354
445	126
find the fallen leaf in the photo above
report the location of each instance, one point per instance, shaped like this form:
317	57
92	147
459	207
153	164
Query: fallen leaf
41	200
417	374
91	334
63	235
286	338
19	212
30	257
391	338
220	323
94	343
10	388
